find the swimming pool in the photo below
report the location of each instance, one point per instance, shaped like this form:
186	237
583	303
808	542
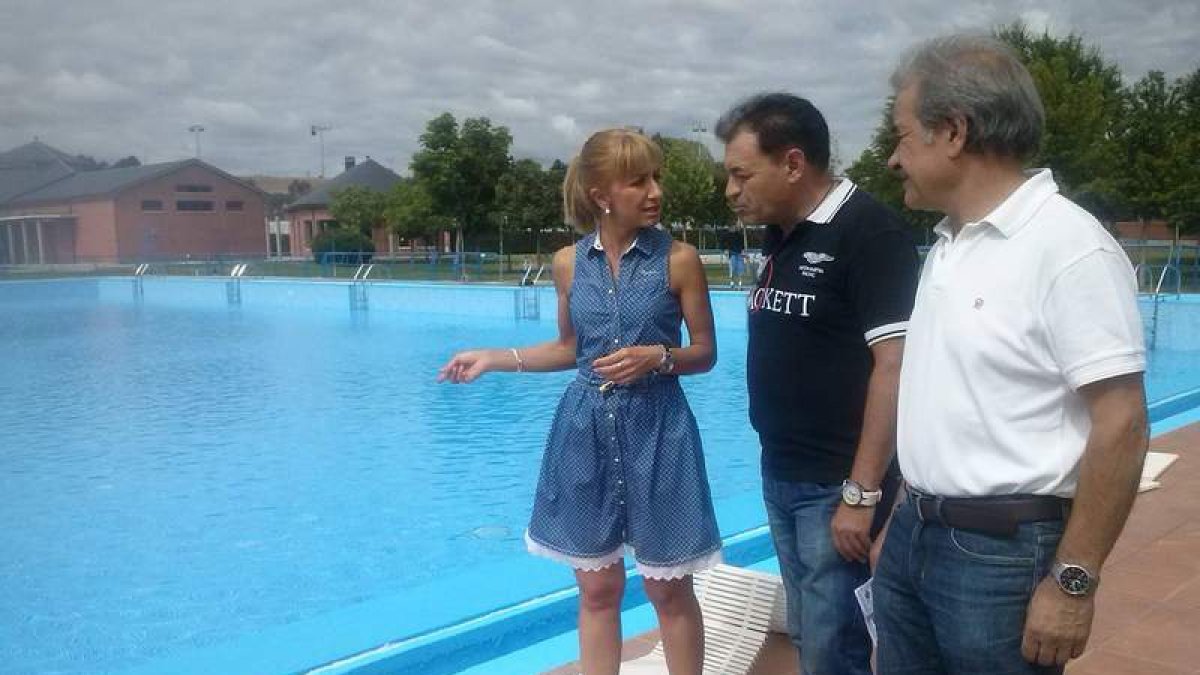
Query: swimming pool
189	478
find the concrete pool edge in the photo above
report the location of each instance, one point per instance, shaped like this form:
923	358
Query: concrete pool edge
1164	414
456	648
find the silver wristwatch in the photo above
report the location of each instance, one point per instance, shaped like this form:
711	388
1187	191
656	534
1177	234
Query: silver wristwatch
666	365
854	494
1074	579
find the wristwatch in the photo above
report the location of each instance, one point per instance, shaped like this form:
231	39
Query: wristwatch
854	494
1074	579
666	365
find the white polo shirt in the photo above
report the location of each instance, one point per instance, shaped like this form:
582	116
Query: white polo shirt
1012	317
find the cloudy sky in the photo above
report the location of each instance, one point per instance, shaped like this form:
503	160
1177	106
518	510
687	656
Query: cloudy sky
111	78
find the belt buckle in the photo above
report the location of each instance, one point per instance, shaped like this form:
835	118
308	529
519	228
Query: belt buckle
916	497
938	502
919	497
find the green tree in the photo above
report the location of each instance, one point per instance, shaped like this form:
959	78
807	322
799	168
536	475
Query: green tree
1082	96
1159	134
87	163
460	167
1183	195
870	171
342	245
299	188
527	200
687	183
408	210
358	209
717	212
555	175
1081	93
1146	134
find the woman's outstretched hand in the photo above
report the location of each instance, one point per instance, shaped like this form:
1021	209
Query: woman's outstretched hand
465	367
628	364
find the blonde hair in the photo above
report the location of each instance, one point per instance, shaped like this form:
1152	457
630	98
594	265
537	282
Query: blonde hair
607	156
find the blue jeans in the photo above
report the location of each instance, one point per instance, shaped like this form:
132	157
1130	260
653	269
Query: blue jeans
953	601
824	620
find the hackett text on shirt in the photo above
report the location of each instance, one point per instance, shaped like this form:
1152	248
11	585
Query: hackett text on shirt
780	302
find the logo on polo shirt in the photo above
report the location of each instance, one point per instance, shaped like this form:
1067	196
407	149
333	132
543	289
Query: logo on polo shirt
814	258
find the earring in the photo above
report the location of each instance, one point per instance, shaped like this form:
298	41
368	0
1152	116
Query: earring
606	211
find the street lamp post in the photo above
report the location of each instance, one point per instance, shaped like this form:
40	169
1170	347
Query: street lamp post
196	130
319	130
699	129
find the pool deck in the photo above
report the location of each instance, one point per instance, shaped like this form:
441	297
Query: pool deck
1148	603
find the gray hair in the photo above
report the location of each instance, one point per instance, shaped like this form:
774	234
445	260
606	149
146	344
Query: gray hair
982	80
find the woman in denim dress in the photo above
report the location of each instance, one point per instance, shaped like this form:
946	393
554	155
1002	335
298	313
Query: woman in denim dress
623	467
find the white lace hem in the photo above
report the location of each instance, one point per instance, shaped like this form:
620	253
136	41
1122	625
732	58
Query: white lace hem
586	564
682	569
660	573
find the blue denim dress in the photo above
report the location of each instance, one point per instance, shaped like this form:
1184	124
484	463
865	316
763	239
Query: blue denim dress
624	467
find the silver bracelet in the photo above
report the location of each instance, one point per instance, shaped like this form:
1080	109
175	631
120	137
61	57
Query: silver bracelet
520	363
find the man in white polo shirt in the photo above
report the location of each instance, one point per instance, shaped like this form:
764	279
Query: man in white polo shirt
1021	424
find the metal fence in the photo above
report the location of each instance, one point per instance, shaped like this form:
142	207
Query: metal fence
1172	267
1160	267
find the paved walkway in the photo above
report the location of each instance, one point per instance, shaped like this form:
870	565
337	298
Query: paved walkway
1148	605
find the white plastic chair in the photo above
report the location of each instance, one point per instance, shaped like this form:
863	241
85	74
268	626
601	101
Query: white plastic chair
740	607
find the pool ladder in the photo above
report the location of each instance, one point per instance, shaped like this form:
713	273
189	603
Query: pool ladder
359	295
526	303
233	287
139	288
1157	293
525	280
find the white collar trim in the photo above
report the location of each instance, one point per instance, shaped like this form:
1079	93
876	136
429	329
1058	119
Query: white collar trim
833	202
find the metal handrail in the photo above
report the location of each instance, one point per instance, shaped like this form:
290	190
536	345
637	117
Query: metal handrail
1163	277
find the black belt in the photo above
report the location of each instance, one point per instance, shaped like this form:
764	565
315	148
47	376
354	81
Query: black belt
997	516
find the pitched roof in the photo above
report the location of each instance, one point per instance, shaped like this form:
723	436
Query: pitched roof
111	181
369	174
37	153
32	166
102	182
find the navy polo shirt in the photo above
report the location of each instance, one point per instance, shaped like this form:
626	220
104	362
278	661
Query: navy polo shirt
842	280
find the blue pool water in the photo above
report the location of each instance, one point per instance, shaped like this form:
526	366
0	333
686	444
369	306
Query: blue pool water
178	472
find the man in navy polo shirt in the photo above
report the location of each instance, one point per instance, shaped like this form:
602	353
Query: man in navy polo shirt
827	320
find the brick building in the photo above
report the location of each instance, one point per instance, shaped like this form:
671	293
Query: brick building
52	211
309	215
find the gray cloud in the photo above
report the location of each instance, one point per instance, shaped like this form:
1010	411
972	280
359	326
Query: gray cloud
116	77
